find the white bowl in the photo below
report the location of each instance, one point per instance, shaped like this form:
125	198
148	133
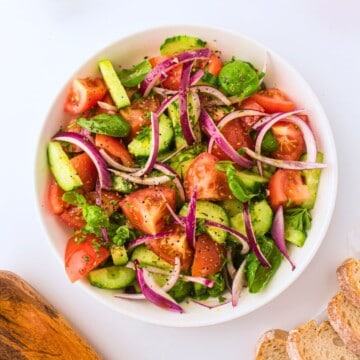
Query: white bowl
132	49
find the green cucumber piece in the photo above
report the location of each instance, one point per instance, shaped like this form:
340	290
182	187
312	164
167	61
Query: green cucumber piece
148	257
261	218
210	211
133	77
140	146
119	255
112	277
61	167
181	43
113	83
312	179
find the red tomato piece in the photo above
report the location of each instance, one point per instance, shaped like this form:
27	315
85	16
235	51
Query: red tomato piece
237	137
84	255
146	209
115	147
84	94
208	256
248	121
73	218
86	169
137	114
211	183
214	65
273	100
287	188
290	140
172	81
173	245
55	193
110	201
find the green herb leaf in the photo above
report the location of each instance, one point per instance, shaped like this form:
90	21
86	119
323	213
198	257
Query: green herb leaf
133	76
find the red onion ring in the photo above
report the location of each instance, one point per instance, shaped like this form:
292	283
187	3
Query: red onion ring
238	284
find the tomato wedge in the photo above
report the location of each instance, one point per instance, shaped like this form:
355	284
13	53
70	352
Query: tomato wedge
273	100
84	94
115	147
86	169
248	121
173	245
211	183
146	209
291	144
208	256
83	253
287	188
214	65
172	81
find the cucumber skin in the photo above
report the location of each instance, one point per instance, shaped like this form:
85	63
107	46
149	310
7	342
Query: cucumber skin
61	168
112	277
147	257
180	43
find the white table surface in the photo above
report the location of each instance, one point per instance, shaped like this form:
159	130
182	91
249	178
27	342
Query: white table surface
42	44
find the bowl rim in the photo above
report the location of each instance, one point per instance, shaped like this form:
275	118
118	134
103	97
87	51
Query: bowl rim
228	315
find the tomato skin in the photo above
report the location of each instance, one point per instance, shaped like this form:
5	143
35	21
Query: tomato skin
86	169
273	100
80	258
172	82
287	188
211	183
55	193
115	147
248	121
137	114
173	245
208	256
83	94
73	217
237	137
214	65
290	139
146	209
110	201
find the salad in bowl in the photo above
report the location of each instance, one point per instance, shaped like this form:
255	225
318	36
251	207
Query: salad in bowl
186	178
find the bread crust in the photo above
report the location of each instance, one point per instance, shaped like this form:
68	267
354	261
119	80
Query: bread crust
272	338
348	275
348	331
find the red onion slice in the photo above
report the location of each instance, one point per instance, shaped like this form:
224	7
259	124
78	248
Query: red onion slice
238	284
154	147
243	239
154	293
251	236
238	114
190	220
284	164
278	234
108	107
94	154
219	138
124	295
174	275
154	75
210	90
143	239
185	122
167	170
150	181
115	164
229	263
212	303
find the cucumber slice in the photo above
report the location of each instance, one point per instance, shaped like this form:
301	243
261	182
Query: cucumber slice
140	145
114	84
148	257
112	277
118	255
181	43
210	211
61	167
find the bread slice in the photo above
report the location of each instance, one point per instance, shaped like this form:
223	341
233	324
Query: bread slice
348	274
313	342
272	345
345	319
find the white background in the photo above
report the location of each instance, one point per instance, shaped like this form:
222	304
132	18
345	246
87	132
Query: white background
44	41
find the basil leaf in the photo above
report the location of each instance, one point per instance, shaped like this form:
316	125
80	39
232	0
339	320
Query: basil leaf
107	124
